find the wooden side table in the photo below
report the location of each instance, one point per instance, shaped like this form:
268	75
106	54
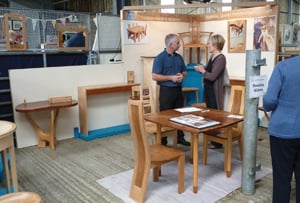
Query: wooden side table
7	145
44	136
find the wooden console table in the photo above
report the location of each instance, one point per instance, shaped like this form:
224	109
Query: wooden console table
43	136
83	93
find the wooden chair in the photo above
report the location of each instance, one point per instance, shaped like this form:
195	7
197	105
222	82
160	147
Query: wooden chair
144	93
21	197
195	39
149	156
235	106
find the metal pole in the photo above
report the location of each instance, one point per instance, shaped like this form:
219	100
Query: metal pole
250	126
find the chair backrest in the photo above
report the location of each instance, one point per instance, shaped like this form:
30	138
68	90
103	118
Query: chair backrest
136	120
144	94
236	102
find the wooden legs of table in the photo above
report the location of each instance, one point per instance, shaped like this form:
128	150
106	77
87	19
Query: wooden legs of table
10	172
43	136
194	158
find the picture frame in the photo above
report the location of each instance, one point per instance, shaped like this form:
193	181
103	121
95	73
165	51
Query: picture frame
65	33
265	32
15	32
236	36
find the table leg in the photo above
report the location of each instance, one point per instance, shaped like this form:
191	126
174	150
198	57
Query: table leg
228	152
195	139
52	130
7	173
49	136
158	134
13	167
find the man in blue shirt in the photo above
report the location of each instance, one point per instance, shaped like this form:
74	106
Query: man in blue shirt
77	40
169	70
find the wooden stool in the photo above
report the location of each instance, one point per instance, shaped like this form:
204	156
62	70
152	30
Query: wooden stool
190	89
7	145
20	197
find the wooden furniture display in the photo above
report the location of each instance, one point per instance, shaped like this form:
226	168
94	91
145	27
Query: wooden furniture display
7	146
21	197
235	107
15	26
50	135
162	119
85	91
195	39
145	95
149	156
190	89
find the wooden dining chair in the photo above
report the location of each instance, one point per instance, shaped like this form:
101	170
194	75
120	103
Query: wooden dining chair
144	93
20	197
149	156
222	136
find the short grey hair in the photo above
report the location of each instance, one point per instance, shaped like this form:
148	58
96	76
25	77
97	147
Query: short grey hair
169	38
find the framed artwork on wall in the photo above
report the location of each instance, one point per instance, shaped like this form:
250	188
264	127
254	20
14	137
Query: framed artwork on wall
264	33
72	38
236	36
15	31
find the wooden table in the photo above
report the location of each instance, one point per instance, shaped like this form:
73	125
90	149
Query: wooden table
83	93
162	119
43	136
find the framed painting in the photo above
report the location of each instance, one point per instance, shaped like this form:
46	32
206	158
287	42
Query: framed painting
15	31
265	33
72	38
236	36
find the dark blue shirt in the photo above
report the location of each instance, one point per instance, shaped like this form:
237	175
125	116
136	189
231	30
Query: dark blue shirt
77	40
167	64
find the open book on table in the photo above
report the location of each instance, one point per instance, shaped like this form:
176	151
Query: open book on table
194	121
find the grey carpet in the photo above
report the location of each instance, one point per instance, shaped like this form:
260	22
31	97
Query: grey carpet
69	173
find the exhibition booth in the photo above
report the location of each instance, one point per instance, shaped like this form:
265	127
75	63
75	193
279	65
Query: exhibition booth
143	30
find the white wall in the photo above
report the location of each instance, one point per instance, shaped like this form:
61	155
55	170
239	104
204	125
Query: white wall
40	83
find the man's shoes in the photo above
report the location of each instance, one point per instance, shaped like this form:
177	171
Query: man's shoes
182	141
164	142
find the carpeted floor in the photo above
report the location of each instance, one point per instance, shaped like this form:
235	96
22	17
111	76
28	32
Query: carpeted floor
213	183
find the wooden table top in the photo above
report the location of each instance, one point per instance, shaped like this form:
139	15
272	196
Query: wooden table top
43	105
163	117
106	88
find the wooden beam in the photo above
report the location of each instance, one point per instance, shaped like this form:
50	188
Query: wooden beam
199	5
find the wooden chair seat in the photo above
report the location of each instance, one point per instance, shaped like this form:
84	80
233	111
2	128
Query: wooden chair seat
149	156
20	197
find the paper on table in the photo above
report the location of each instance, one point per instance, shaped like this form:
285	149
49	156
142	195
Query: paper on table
188	109
235	116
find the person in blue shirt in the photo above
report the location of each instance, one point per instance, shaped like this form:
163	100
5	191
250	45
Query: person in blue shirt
77	40
282	99
169	70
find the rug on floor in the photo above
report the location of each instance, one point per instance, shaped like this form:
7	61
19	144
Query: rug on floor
213	183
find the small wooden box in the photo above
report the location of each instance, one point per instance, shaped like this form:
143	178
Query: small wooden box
59	99
130	76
